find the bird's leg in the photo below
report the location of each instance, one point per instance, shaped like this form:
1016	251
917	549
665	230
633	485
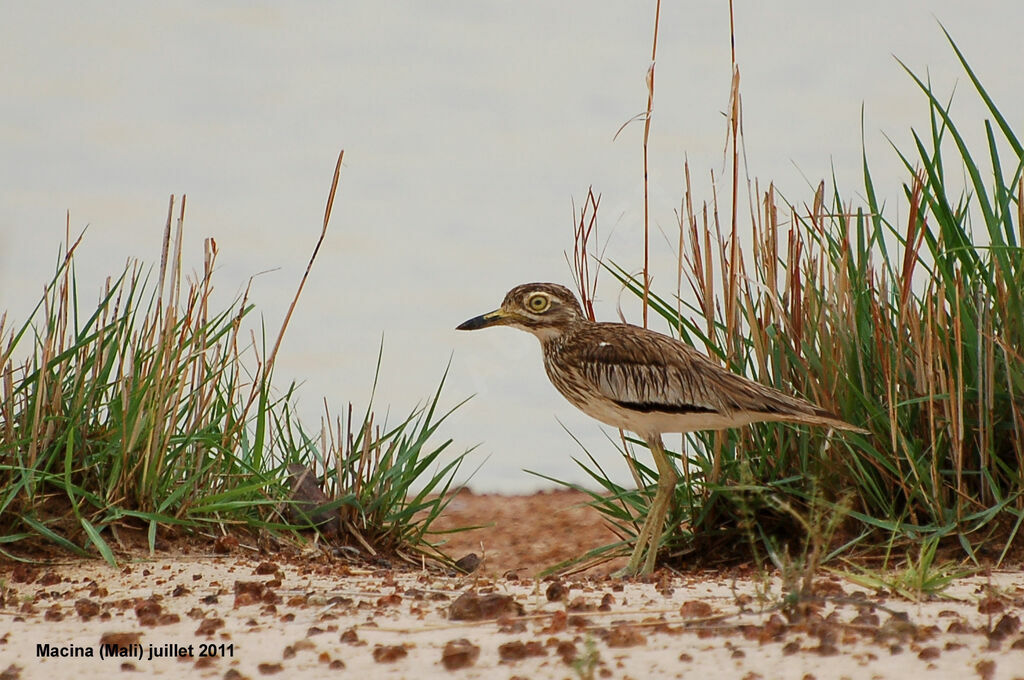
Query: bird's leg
650	534
667	479
642	539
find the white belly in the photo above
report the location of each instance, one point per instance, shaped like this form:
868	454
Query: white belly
655	422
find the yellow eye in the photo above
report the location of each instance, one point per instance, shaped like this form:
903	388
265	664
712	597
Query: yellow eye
538	302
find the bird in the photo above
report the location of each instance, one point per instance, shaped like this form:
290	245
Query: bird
636	379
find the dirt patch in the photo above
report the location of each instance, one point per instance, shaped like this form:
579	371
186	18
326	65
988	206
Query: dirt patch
525	534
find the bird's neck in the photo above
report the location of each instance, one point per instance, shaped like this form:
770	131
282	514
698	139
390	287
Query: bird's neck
555	336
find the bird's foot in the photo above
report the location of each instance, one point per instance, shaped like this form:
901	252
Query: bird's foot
629	571
625	572
634	567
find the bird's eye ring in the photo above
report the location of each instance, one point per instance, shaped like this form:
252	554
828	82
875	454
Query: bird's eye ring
538	302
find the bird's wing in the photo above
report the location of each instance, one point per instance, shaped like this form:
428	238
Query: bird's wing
647	371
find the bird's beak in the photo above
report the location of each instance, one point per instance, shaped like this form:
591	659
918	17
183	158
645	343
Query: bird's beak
496	318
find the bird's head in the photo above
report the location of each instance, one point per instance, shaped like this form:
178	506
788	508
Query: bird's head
544	309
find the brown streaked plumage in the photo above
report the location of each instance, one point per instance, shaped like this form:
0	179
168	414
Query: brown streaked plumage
636	379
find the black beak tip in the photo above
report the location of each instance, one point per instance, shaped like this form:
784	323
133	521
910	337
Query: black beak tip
471	324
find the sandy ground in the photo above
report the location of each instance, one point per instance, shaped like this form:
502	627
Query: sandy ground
250	615
523	535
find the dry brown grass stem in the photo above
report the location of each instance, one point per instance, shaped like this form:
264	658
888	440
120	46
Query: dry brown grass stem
647	135
323	233
585	229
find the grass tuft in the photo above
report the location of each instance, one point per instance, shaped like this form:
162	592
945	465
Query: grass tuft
151	410
910	327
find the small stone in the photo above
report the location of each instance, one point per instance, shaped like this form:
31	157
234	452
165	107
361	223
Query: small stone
473	607
209	626
50	578
625	636
389	653
86	608
580	604
459	653
468	563
866	619
567	651
695	609
1007	625
827	588
556	592
269	668
991	605
120	639
224	545
515	650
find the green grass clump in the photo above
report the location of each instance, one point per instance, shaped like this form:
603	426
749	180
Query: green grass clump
386	480
152	409
912	328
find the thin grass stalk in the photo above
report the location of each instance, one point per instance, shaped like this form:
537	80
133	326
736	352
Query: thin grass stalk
309	266
1017	422
1020	214
733	128
957	397
984	369
646	139
585	229
685	221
